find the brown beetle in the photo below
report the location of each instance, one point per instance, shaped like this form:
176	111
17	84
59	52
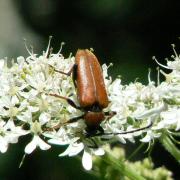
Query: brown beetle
91	93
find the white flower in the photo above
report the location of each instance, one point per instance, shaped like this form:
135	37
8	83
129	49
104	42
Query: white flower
36	142
151	112
3	144
44	118
75	148
60	138
87	160
13	132
169	118
150	135
88	155
37	81
9	133
36	130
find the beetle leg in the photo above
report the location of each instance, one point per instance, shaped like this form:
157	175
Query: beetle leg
101	130
68	73
72	71
72	120
97	132
71	102
109	114
74	75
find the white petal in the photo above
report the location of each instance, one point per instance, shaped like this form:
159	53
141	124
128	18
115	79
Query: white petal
14	100
21	132
33	109
3	145
57	142
44	118
28	95
132	140
5	101
2	123
121	139
31	146
87	161
150	112
9	125
147	138
160	125
43	145
66	152
178	125
99	152
73	149
25	116
12	138
76	149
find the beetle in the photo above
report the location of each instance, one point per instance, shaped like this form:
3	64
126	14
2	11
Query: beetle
91	93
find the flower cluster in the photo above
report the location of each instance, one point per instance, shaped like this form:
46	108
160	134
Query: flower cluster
28	107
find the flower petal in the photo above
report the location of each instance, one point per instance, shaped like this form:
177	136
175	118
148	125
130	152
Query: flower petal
31	146
99	152
3	145
73	149
87	160
57	142
44	118
43	145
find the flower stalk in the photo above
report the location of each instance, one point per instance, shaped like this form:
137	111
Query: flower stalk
113	165
170	146
122	167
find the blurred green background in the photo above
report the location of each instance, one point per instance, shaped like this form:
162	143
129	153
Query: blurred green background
125	32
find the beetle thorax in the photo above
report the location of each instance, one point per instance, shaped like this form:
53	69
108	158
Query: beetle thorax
93	119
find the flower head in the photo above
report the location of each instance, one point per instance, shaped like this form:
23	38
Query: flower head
29	104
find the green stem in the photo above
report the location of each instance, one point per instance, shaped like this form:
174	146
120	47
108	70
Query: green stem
170	146
122	167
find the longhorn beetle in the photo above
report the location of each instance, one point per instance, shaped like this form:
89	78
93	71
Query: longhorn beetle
91	92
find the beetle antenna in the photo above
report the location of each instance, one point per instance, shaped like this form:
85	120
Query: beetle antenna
126	132
135	130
